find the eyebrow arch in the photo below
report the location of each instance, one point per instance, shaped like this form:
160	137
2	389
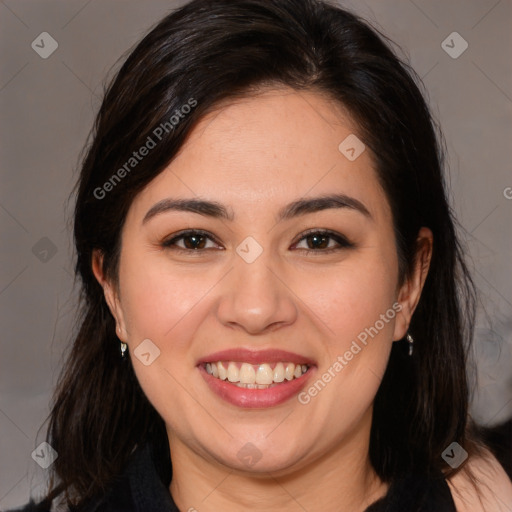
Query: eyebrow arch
294	209
316	204
202	207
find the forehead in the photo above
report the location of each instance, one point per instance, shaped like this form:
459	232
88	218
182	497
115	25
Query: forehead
268	149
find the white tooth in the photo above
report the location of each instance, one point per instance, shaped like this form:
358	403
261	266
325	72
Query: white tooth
290	368
247	374
233	372
279	372
208	368
222	371
264	375
304	368
298	371
215	370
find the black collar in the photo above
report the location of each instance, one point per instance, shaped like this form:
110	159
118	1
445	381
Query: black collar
143	488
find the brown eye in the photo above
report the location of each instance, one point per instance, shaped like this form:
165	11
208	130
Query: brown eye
191	240
322	242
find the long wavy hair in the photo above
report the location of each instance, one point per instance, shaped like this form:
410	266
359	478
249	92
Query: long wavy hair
216	50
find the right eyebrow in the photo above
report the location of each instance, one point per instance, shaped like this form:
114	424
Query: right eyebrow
208	208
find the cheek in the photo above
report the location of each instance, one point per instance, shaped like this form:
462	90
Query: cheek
357	345
165	308
156	302
351	299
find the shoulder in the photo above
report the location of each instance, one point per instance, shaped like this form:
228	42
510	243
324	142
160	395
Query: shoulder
482	486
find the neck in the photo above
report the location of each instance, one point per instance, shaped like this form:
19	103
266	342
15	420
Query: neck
342	480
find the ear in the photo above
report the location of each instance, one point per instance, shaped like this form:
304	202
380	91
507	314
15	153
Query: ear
111	295
410	291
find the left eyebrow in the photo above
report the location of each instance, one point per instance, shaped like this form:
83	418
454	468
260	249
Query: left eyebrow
316	204
294	209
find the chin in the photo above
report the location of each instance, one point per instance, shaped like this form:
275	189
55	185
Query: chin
258	457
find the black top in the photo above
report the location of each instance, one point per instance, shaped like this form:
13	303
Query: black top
142	489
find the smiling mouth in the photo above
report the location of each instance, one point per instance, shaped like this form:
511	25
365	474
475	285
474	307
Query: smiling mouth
258	376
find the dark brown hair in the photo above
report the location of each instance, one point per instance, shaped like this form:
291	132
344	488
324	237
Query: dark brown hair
215	50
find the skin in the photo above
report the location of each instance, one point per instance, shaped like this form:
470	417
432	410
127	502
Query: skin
494	493
254	156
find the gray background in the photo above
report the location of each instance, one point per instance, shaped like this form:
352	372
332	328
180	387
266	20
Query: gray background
47	109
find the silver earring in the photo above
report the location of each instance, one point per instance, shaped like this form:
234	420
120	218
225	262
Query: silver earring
410	340
124	346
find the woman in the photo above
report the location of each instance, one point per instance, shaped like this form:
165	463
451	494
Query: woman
276	309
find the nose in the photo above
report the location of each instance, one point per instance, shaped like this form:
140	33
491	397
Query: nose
256	297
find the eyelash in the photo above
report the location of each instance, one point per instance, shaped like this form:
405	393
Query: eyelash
340	239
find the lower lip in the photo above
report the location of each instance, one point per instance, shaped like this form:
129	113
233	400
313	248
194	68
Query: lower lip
255	398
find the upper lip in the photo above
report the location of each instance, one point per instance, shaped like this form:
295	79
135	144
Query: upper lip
256	356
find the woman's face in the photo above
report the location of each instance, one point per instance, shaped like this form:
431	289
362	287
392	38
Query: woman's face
263	284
